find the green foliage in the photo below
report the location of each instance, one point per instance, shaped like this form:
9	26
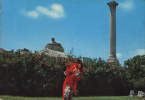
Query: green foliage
30	74
103	79
136	72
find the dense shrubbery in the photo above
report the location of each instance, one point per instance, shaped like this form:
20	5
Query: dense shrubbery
31	74
136	72
103	79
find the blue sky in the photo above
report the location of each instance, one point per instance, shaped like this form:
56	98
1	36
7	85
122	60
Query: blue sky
79	24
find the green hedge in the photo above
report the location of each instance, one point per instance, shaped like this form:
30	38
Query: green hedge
31	74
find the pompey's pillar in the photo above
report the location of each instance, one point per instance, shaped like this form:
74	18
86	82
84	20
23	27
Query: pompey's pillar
112	57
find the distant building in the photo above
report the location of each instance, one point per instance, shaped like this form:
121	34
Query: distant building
54	46
2	50
54	49
23	51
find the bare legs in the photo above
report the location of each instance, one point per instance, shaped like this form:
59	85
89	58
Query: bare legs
67	93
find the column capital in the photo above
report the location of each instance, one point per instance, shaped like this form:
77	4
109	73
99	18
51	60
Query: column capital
112	4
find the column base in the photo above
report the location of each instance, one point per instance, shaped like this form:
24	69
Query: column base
112	60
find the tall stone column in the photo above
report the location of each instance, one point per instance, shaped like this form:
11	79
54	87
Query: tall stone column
0	23
112	57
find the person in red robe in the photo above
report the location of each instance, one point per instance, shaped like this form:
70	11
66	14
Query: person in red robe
74	72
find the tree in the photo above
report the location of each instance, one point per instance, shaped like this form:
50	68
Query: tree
136	71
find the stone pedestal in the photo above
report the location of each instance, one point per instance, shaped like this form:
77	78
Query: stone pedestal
112	57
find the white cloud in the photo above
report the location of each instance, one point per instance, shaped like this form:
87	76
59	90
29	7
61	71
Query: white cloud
56	11
119	55
58	8
140	52
32	14
127	5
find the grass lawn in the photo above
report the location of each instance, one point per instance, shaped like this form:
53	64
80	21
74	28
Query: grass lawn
75	98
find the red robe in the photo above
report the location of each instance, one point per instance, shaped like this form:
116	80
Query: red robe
71	78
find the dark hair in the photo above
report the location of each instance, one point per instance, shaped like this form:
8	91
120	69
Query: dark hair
79	61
